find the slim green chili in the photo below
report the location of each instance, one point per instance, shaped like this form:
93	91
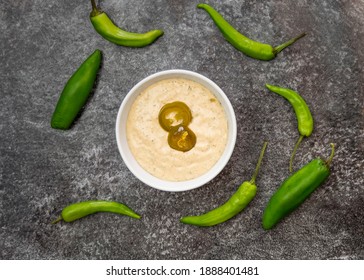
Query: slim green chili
237	202
76	92
249	47
296	189
82	209
107	29
303	115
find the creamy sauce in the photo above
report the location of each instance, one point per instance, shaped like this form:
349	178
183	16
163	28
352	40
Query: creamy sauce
148	140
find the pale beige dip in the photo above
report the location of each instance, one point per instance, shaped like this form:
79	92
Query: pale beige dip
148	141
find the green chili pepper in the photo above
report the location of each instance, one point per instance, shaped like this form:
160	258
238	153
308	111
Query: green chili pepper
249	47
107	29
82	209
76	92
303	115
237	202
296	189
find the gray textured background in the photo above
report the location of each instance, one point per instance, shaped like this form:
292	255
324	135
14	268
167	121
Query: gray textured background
42	170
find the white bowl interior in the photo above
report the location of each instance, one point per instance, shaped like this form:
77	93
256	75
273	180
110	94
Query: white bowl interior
128	157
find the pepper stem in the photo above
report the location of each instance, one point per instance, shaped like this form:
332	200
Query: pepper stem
279	48
294	153
58	220
95	11
252	181
329	160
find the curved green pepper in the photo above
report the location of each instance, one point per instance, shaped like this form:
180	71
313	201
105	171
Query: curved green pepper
82	209
236	203
249	47
76	92
107	29
303	115
295	190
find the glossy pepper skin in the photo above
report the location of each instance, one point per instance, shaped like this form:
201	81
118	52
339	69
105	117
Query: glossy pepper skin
236	203
107	29
249	47
295	190
303	115
82	209
76	92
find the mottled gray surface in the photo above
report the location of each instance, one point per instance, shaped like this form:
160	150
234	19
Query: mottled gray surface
42	169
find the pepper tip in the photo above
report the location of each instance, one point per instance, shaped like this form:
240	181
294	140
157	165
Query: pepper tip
268	86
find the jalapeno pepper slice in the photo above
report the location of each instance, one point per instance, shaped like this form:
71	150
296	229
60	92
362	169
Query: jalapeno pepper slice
174	114
181	138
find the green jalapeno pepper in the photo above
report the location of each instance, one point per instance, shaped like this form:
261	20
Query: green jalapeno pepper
303	115
76	92
295	190
107	29
236	203
82	209
249	47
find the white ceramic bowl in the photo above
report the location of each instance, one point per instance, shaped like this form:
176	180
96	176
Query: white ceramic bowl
128	157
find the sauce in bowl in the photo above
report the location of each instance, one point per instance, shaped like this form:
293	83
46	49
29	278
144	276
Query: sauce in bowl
148	141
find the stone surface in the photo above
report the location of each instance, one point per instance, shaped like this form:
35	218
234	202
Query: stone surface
42	170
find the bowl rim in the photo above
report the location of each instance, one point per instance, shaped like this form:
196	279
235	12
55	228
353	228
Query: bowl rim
133	165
